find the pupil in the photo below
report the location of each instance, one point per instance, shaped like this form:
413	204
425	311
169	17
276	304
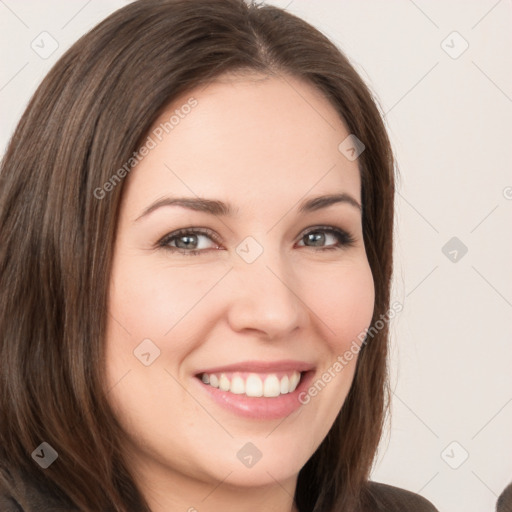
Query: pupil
188	238
317	237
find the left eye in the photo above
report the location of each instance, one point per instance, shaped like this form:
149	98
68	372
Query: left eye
185	241
343	238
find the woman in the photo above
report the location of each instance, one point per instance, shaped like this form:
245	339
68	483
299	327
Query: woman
202	197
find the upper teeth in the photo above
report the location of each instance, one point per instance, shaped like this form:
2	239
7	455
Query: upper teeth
254	384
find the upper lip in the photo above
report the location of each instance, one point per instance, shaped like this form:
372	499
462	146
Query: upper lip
261	367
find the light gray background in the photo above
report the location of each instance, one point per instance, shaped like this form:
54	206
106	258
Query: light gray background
450	119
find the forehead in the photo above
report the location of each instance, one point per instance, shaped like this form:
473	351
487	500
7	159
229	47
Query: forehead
259	138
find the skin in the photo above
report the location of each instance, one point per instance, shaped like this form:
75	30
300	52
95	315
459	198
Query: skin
263	144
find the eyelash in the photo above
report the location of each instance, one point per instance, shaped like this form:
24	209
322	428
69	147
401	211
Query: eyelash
344	239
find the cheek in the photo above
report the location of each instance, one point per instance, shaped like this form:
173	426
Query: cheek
344	302
149	300
160	303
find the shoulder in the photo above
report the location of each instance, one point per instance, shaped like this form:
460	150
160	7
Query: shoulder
21	494
504	503
381	497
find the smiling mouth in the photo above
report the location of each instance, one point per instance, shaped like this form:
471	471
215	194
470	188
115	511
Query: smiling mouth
252	384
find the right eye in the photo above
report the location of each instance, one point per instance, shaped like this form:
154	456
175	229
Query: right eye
188	239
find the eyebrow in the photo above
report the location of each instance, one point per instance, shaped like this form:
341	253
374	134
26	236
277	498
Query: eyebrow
219	208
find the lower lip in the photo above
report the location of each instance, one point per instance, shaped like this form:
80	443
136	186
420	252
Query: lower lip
263	408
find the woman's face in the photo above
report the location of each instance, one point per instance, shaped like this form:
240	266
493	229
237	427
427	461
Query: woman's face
270	295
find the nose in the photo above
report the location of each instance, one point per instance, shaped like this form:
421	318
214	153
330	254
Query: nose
265	296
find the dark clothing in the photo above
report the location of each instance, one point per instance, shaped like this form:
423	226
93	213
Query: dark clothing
388	498
504	503
18	495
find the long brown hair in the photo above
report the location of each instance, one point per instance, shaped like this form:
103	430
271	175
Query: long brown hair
89	115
